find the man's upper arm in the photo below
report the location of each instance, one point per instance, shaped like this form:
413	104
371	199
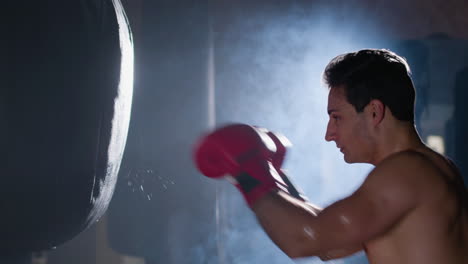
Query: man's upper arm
386	196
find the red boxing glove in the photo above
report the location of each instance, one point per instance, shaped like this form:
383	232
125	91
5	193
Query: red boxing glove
244	155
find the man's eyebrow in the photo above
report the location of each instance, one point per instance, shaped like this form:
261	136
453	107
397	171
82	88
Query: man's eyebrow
330	111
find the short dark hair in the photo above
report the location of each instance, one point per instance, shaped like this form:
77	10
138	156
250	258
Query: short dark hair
374	74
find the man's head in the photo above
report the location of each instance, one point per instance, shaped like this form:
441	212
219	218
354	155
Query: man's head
366	87
374	74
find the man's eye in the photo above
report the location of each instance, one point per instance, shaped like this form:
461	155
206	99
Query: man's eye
335	117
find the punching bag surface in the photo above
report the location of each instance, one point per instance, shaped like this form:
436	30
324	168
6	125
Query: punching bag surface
65	110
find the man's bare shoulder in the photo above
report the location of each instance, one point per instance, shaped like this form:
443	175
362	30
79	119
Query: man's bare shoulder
408	158
412	164
403	165
404	176
412	175
429	188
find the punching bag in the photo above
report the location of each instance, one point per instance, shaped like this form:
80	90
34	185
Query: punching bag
65	106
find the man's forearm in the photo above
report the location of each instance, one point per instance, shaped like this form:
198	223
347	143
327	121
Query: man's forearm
284	218
306	204
340	253
314	208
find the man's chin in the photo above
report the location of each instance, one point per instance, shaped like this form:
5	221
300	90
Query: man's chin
349	160
354	161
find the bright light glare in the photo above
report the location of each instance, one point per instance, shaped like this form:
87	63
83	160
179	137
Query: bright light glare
436	143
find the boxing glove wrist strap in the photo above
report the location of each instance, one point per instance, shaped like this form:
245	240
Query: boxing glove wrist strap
253	188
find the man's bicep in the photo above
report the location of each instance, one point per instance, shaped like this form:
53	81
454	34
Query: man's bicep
369	212
343	224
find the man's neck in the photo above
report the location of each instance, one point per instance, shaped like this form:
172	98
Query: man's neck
397	138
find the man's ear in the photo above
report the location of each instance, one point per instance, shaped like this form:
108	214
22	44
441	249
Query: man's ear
377	111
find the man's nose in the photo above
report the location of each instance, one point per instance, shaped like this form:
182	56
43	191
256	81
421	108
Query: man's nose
330	133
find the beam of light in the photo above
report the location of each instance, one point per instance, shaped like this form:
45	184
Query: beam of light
274	65
211	85
211	79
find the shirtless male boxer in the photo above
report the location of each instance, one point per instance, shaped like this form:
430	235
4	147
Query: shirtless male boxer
411	209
